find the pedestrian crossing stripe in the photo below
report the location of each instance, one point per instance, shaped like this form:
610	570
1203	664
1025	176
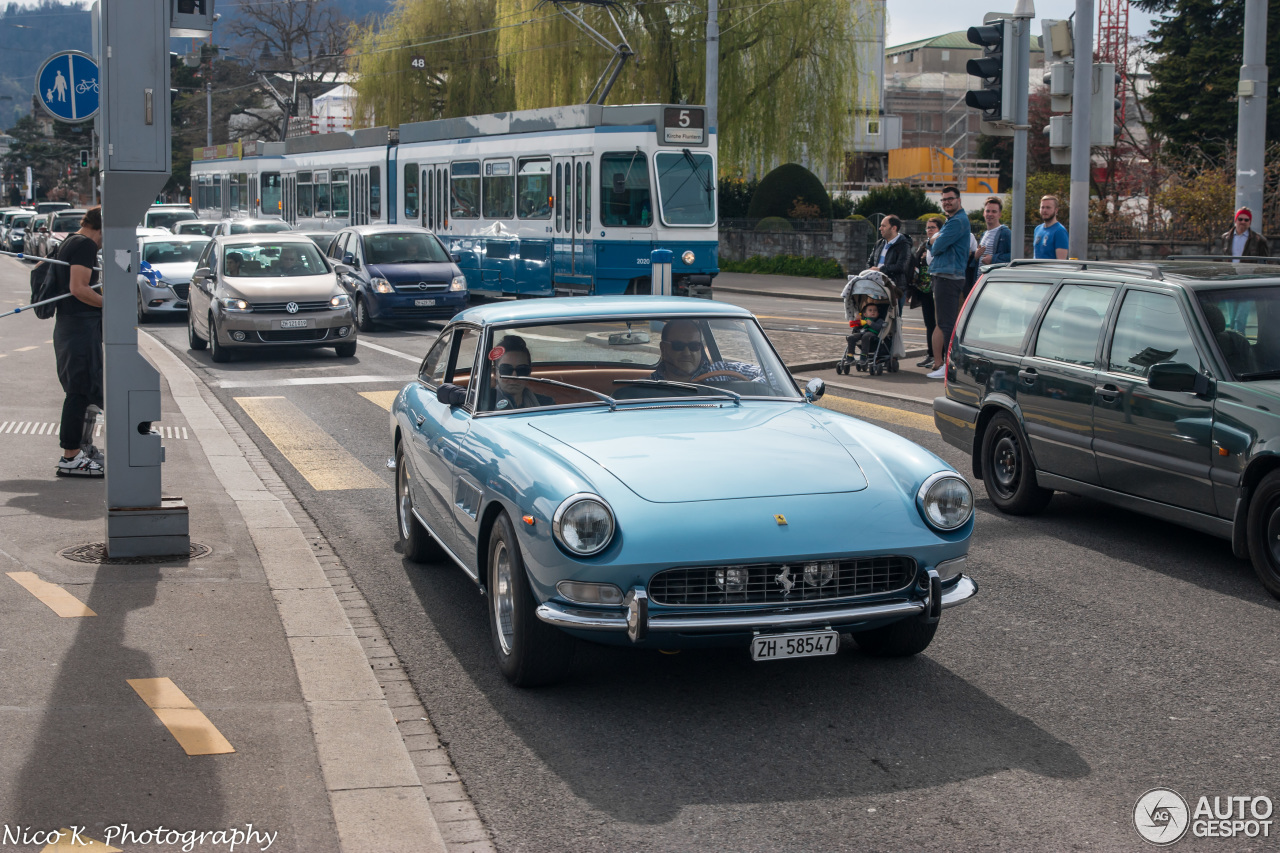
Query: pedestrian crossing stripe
47	428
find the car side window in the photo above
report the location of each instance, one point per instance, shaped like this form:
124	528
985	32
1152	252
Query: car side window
433	366
1150	330
1003	313
335	248
1073	324
464	362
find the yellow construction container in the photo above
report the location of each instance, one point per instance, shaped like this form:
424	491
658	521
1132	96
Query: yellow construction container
925	165
989	185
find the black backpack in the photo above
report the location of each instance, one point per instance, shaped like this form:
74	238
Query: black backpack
46	284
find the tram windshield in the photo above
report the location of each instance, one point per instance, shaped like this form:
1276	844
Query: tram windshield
687	187
624	190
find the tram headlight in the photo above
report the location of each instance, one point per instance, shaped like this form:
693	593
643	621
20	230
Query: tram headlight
687	257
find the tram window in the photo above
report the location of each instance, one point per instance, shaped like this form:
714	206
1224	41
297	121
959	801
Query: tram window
429	209
242	182
687	187
577	198
322	194
442	181
533	188
624	190
559	197
306	196
375	192
499	190
586	191
341	193
465	190
410	191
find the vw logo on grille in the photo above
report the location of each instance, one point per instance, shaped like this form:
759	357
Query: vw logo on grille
292	308
422	285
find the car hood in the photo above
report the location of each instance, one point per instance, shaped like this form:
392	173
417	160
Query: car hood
440	273
699	454
284	289
175	273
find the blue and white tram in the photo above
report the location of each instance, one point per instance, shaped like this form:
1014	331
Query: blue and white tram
567	200
240	180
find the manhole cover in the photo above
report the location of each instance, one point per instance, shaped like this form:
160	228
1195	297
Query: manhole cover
96	552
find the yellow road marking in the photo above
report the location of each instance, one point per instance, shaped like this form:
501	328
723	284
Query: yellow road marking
873	412
58	599
188	725
381	398
68	840
25	349
309	449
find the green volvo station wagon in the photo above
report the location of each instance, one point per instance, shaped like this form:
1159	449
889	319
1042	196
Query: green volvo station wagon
1150	386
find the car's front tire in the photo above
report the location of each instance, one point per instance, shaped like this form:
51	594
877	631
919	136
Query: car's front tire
530	652
346	350
363	321
217	351
902	639
1007	471
143	318
1264	532
194	341
415	542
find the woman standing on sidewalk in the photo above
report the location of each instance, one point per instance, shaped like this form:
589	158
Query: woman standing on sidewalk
924	289
77	344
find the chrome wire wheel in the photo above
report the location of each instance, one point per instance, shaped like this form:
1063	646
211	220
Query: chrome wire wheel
404	503
503	597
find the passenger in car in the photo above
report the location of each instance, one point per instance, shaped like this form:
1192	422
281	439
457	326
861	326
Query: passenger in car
511	363
1235	347
233	263
684	358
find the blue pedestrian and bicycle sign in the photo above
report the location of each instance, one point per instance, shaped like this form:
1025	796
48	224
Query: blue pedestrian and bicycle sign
67	86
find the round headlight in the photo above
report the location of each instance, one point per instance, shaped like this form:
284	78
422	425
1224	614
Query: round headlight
584	524
687	257
945	501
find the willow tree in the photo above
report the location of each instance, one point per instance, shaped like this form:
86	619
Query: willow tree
788	76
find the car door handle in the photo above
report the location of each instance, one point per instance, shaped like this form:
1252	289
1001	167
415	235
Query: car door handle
420	419
1107	392
1028	375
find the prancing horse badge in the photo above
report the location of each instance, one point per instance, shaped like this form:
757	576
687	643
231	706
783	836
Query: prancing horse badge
781	519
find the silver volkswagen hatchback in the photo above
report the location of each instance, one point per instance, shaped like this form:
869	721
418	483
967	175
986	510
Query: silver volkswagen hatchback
255	290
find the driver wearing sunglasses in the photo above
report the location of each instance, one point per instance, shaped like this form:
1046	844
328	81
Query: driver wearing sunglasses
510	368
684	358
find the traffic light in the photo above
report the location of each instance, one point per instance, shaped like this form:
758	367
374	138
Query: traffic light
1105	105
996	70
84	158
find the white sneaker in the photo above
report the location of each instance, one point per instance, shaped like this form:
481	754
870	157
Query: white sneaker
940	373
79	465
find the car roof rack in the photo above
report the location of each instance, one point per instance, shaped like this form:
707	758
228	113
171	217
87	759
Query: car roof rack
1225	259
1152	272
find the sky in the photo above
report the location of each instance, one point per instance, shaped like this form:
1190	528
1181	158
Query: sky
911	20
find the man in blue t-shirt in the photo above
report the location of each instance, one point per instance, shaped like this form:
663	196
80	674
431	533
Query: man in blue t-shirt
1051	237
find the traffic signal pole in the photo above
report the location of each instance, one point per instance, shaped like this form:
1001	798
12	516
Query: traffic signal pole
1251	140
1081	104
1023	13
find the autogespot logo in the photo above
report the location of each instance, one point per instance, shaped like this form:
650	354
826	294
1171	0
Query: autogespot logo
1161	816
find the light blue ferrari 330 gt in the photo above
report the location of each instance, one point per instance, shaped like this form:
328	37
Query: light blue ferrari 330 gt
644	471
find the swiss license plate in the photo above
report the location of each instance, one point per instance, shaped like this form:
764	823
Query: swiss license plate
293	324
424	303
806	645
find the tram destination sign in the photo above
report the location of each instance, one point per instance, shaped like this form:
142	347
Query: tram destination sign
684	125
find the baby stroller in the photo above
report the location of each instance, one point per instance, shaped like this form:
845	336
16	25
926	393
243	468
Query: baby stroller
866	288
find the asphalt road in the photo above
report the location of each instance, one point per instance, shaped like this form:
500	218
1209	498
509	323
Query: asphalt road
1105	655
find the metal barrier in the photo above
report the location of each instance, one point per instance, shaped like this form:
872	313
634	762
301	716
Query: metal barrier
20	256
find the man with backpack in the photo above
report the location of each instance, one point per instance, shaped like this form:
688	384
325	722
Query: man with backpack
77	343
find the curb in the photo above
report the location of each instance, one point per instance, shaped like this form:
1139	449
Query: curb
893	395
391	784
812	297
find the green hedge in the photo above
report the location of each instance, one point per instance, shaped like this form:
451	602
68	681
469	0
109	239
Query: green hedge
779	189
786	265
774	223
904	201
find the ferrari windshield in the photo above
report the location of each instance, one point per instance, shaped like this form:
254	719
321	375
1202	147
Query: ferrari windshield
647	358
1245	325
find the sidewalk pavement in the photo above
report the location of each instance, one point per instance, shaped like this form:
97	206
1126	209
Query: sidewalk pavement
789	286
246	688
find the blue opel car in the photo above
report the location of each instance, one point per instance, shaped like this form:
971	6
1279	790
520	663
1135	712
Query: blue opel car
397	272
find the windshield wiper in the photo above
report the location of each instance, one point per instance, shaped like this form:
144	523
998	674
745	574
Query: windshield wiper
1260	374
613	404
692	386
705	180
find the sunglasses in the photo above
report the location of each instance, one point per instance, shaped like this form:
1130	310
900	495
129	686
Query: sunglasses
681	346
1246	220
514	370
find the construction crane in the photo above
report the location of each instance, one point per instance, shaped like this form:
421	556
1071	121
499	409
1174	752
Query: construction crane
1113	44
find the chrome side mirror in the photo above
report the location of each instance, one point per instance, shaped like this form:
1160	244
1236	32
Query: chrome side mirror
814	390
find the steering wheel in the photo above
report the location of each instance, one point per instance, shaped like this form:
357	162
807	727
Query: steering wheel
730	373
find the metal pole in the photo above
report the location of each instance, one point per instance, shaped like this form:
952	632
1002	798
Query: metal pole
1081	104
1023	13
1251	140
208	100
713	65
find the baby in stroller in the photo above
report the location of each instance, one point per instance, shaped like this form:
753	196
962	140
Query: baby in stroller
871	307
